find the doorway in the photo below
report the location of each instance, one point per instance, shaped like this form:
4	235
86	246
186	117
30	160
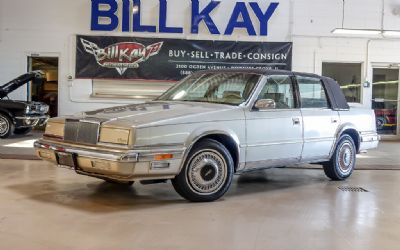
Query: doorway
48	91
385	99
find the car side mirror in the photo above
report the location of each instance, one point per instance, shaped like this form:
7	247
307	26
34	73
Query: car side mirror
263	104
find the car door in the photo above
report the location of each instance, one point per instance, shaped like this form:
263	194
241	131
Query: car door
274	134
320	122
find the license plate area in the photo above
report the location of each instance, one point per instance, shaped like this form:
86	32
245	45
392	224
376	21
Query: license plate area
66	159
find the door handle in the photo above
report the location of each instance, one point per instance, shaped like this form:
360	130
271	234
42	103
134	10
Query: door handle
334	120
296	121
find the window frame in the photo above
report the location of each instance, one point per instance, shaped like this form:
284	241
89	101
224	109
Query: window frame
264	81
295	76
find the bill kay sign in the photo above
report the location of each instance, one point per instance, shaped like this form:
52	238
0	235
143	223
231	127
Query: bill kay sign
109	15
163	59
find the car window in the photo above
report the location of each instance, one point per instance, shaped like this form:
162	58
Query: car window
280	89
226	88
312	93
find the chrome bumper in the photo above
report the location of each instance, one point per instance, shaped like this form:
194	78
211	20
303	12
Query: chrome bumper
32	120
118	164
369	141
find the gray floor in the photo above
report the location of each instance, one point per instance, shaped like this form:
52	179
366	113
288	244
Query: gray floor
19	146
43	207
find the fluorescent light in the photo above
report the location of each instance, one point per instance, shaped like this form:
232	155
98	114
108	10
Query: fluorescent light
391	33
356	31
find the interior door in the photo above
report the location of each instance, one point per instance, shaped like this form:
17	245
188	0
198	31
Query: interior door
319	120
274	134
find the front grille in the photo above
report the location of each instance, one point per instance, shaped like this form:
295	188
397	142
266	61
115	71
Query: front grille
81	131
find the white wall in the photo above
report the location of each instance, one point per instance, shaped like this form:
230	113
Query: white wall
48	27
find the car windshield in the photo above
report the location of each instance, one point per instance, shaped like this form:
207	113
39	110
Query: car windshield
224	88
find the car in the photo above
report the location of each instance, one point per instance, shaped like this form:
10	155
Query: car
212	125
386	117
19	117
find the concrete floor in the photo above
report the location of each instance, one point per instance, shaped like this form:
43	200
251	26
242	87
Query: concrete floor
43	207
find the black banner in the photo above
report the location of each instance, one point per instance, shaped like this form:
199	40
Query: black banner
172	59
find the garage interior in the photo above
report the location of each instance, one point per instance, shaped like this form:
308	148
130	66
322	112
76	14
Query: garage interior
274	209
46	206
278	208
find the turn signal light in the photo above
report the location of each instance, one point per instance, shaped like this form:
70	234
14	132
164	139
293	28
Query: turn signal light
162	157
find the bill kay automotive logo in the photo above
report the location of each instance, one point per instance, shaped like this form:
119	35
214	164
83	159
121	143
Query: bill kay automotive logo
121	56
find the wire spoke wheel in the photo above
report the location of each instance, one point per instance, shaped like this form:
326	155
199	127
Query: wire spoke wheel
343	160
4	125
207	172
346	156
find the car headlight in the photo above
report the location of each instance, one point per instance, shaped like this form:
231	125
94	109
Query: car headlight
28	109
54	129
115	135
44	109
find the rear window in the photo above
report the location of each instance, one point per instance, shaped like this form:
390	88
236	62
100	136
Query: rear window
312	92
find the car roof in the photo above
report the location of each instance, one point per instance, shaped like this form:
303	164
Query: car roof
258	71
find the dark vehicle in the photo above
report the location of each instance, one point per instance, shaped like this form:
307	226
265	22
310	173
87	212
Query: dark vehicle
386	116
19	117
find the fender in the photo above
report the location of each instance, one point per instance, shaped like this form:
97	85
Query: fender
9	114
343	127
205	131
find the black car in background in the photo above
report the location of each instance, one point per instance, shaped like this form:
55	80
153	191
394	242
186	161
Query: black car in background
19	117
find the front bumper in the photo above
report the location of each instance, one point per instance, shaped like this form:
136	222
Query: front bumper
116	164
31	121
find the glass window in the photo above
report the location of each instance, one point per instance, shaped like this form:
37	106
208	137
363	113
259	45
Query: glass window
225	88
385	99
279	89
348	75
312	93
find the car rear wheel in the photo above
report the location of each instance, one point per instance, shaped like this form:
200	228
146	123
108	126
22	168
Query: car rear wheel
6	126
343	160
207	173
22	131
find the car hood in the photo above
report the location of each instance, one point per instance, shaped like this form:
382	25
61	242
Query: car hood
161	113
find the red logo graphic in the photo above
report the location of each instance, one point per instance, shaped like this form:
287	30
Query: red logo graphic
122	56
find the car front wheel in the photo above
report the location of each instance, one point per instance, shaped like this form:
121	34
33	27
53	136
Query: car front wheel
343	160
207	173
6	126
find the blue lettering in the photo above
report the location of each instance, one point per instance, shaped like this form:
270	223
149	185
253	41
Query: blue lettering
110	14
240	10
264	17
163	20
136	20
204	15
126	4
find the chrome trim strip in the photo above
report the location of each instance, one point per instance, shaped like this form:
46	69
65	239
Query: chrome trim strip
319	139
265	164
32	117
274	143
